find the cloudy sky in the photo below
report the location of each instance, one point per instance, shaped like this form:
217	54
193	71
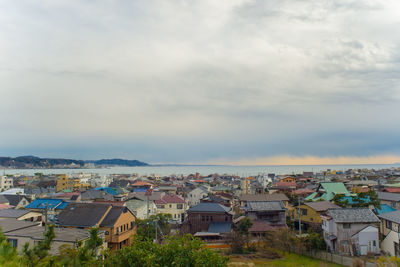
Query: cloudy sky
228	81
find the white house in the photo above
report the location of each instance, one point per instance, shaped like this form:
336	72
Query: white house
351	231
194	196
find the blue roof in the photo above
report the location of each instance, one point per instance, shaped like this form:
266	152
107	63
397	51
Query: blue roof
220	227
52	203
109	190
350	200
384	209
140	190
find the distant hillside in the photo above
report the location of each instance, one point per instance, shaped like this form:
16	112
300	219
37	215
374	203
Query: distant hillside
31	162
35	162
117	162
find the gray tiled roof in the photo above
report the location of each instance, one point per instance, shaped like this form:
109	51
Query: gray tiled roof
388	196
321	205
353	215
83	214
209	207
264	197
12	213
391	216
265	205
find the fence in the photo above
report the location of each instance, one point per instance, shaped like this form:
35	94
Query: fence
335	258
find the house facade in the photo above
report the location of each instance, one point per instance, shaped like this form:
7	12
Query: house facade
345	231
390	229
200	217
174	205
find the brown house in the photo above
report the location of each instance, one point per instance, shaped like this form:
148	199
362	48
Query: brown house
117	222
204	216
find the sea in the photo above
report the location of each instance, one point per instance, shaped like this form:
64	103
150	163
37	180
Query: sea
205	170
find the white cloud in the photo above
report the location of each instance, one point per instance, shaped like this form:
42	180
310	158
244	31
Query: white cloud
199	72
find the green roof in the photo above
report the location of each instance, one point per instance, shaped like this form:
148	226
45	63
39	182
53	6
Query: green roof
331	189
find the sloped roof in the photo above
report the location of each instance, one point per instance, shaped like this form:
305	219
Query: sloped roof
321	205
353	215
389	196
263	226
12	213
40	203
331	189
264	197
220	227
113	215
391	216
209	207
264	206
83	214
384	209
170	199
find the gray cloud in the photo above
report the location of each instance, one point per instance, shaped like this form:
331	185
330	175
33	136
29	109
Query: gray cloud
182	81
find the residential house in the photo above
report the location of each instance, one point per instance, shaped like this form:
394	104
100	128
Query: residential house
288	179
117	222
264	197
327	191
311	213
266	215
353	231
21	215
18	201
391	199
205	215
49	206
18	233
390	229
174	205
141	208
195	195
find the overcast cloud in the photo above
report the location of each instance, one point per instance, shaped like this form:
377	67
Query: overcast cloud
200	81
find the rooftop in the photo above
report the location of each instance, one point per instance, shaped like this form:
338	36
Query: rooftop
353	215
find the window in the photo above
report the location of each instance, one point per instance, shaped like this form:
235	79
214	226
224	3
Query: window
117	230
170	206
303	212
207	218
374	243
226	218
124	227
179	206
203	218
14	242
389	225
346	226
211	218
107	233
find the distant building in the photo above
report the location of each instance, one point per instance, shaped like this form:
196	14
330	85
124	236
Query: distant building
5	183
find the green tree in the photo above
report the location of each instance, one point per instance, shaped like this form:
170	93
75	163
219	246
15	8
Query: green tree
146	229
8	254
240	235
37	255
177	251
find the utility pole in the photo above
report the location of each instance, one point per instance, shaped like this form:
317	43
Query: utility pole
299	217
155	226
45	216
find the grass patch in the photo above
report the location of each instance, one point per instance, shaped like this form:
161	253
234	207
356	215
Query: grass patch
287	260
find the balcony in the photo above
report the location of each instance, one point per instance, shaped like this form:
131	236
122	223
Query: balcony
117	238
